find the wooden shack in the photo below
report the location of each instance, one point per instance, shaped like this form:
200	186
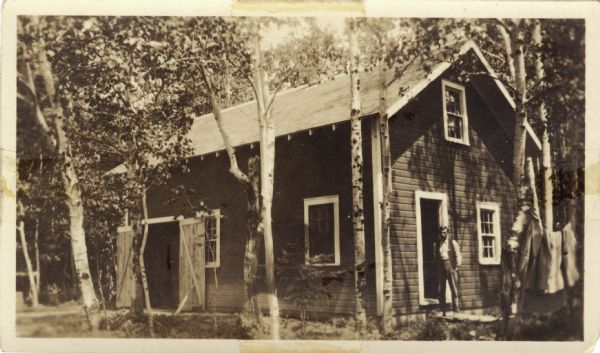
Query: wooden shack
451	144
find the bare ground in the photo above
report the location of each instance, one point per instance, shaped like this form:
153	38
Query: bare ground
68	320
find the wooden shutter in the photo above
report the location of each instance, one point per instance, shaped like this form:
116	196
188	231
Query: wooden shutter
125	276
191	263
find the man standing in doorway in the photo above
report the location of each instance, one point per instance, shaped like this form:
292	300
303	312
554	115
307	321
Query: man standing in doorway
447	254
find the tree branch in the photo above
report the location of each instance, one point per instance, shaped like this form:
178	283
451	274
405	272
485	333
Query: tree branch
278	89
501	23
109	145
246	77
492	55
233	165
39	115
507	38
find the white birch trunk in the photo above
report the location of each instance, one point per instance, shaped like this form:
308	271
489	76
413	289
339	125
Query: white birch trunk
546	152
387	312
33	288
358	219
37	255
521	116
137	291
251	313
143	268
72	192
516	248
77	232
267	170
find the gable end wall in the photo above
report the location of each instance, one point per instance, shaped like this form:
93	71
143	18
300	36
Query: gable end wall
423	160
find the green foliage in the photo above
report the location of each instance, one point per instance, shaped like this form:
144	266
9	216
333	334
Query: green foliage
311	58
300	283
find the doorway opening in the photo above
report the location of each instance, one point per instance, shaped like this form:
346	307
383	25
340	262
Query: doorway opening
431	214
161	257
430	223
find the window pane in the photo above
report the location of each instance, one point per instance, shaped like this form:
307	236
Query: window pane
488	246
486	218
321	235
455	126
453	101
210	253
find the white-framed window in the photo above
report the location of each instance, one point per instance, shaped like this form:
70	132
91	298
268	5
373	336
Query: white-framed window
212	251
322	231
456	123
488	233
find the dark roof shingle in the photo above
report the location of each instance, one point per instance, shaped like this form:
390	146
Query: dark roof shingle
300	109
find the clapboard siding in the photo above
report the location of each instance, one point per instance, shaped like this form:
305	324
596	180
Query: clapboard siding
308	165
424	160
318	164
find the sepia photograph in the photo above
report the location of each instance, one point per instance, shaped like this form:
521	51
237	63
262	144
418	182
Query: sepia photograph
300	178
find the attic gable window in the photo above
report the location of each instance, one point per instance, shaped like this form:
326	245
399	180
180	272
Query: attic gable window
488	233
322	231
454	105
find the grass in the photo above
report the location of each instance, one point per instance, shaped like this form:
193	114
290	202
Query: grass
561	325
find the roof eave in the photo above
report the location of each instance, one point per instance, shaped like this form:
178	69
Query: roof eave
441	68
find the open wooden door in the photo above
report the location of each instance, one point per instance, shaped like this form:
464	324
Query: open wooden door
125	276
191	263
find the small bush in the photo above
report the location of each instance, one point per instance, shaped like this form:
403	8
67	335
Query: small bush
432	330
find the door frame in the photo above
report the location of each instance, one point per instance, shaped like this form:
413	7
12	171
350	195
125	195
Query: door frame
179	220
428	195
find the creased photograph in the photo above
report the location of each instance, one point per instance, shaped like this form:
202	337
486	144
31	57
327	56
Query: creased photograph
300	178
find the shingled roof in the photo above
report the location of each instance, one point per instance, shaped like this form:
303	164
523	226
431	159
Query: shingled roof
314	106
311	107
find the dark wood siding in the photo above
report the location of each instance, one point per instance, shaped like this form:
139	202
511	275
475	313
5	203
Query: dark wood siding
306	166
424	160
318	164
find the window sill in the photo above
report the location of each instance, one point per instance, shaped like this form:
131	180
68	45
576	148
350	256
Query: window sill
428	301
493	262
322	265
457	141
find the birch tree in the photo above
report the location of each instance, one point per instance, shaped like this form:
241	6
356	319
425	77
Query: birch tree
377	41
514	42
125	85
553	91
562	91
514	34
32	33
234	47
220	51
390	47
358	218
266	123
546	153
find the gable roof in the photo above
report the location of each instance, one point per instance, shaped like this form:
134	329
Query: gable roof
328	103
310	107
